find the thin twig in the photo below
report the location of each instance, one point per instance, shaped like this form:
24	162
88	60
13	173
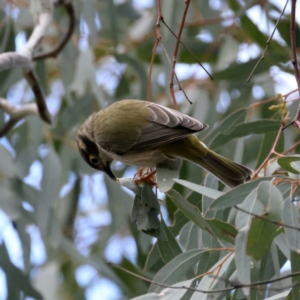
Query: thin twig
210	21
171	84
183	44
158	38
39	97
177	80
234	285
265	219
68	5
7	127
169	286
292	148
16	114
296	120
270	153
23	59
268	42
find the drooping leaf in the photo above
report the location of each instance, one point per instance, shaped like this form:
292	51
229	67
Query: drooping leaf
286	163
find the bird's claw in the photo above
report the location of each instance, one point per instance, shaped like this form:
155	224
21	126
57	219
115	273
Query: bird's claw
148	177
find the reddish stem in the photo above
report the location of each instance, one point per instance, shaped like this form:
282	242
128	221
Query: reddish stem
171	84
294	57
158	38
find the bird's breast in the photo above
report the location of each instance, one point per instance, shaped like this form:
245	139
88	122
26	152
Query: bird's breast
148	158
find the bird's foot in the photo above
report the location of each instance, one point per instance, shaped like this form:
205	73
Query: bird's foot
145	177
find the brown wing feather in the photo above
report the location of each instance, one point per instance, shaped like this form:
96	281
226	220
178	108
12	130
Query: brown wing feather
165	125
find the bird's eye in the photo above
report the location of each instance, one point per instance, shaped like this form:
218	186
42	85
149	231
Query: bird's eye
94	160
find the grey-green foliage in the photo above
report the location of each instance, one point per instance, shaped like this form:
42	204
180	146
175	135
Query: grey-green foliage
205	240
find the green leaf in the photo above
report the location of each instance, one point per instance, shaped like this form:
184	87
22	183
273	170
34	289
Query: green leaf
153	258
120	204
266	146
242	260
166	172
168	293
188	236
50	186
290	217
240	71
280	296
215	274
15	276
180	219
7	168
226	125
285	163
168	249
211	193
190	211
260	237
236	195
139	69
175	270
79	110
256	127
9	200
210	182
261	231
221	228
193	214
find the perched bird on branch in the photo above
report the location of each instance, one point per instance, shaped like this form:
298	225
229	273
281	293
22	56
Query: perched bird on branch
146	134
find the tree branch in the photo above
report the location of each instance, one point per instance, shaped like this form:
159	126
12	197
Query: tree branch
23	59
68	5
16	114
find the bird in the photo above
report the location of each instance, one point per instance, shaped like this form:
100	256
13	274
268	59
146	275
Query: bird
144	133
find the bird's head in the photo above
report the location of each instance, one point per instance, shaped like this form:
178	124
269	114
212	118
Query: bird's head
90	151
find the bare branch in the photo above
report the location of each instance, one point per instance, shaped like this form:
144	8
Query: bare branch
296	120
233	285
177	80
10	60
39	97
16	114
158	38
171	84
271	152
68	5
191	53
265	219
268	42
23	59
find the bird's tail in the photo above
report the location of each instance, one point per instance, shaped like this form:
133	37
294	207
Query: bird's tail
230	173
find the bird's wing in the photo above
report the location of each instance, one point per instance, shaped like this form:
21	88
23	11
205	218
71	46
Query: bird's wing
165	125
154	125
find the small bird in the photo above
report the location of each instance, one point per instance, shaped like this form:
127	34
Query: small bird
146	134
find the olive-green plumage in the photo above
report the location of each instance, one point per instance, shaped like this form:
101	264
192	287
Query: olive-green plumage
146	134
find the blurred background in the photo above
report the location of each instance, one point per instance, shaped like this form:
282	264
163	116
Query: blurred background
59	220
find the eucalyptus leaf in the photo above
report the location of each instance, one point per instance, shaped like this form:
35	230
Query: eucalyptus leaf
286	163
236	195
166	172
241	130
15	276
209	281
7	167
211	193
175	270
145	210
168	293
50	186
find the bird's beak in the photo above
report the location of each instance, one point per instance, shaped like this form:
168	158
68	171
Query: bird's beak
108	171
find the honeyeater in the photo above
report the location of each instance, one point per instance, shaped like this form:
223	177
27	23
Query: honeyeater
145	134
